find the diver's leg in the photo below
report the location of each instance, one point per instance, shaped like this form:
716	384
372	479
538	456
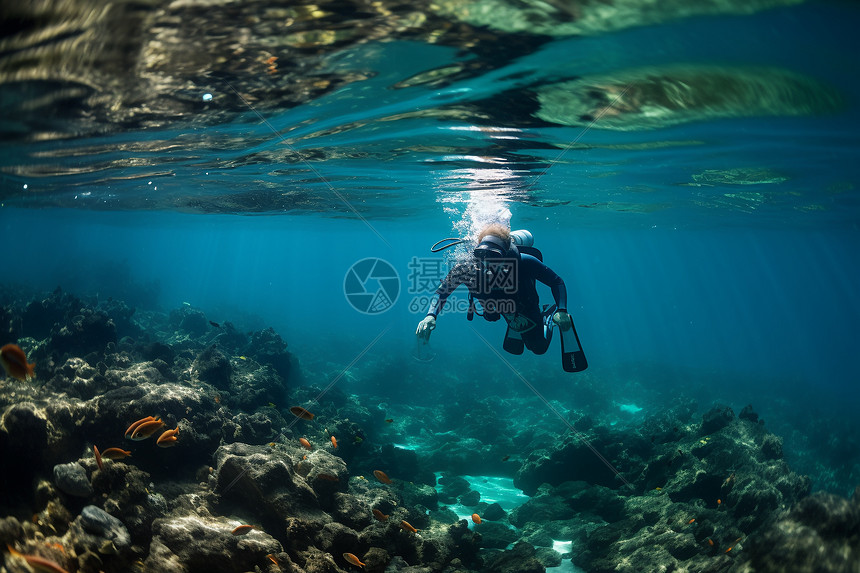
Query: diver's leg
513	342
536	338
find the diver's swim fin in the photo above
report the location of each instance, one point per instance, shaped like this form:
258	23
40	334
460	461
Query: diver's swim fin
572	356
513	342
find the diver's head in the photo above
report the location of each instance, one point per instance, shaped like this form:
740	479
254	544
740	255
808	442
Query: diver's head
494	242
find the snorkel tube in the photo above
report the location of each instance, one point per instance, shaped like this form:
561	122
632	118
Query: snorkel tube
436	248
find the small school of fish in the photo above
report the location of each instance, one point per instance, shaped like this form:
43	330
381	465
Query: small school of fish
143	428
380	475
15	364
146	428
138	431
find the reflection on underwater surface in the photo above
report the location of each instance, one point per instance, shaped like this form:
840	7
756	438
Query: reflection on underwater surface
687	168
362	109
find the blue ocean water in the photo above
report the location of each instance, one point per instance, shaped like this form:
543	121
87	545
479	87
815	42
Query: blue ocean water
735	315
714	257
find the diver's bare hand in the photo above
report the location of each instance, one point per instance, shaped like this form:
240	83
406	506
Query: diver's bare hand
426	326
562	319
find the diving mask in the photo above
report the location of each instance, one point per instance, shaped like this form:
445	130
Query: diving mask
491	247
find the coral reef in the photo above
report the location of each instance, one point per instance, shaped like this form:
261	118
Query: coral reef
238	490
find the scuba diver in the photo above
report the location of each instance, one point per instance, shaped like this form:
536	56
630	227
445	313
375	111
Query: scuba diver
501	277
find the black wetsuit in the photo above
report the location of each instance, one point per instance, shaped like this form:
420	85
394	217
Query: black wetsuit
512	294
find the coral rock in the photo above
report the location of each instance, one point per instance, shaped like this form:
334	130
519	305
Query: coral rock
72	479
207	544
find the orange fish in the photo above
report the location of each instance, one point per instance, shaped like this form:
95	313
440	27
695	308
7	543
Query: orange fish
407	527
352	560
379	515
380	475
719	502
37	563
305	443
217	398
14	362
389	420
242	529
134	426
301	413
146	430
691	521
476	518
333	442
99	462
168	438
710	542
115	454
327	477
273	560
